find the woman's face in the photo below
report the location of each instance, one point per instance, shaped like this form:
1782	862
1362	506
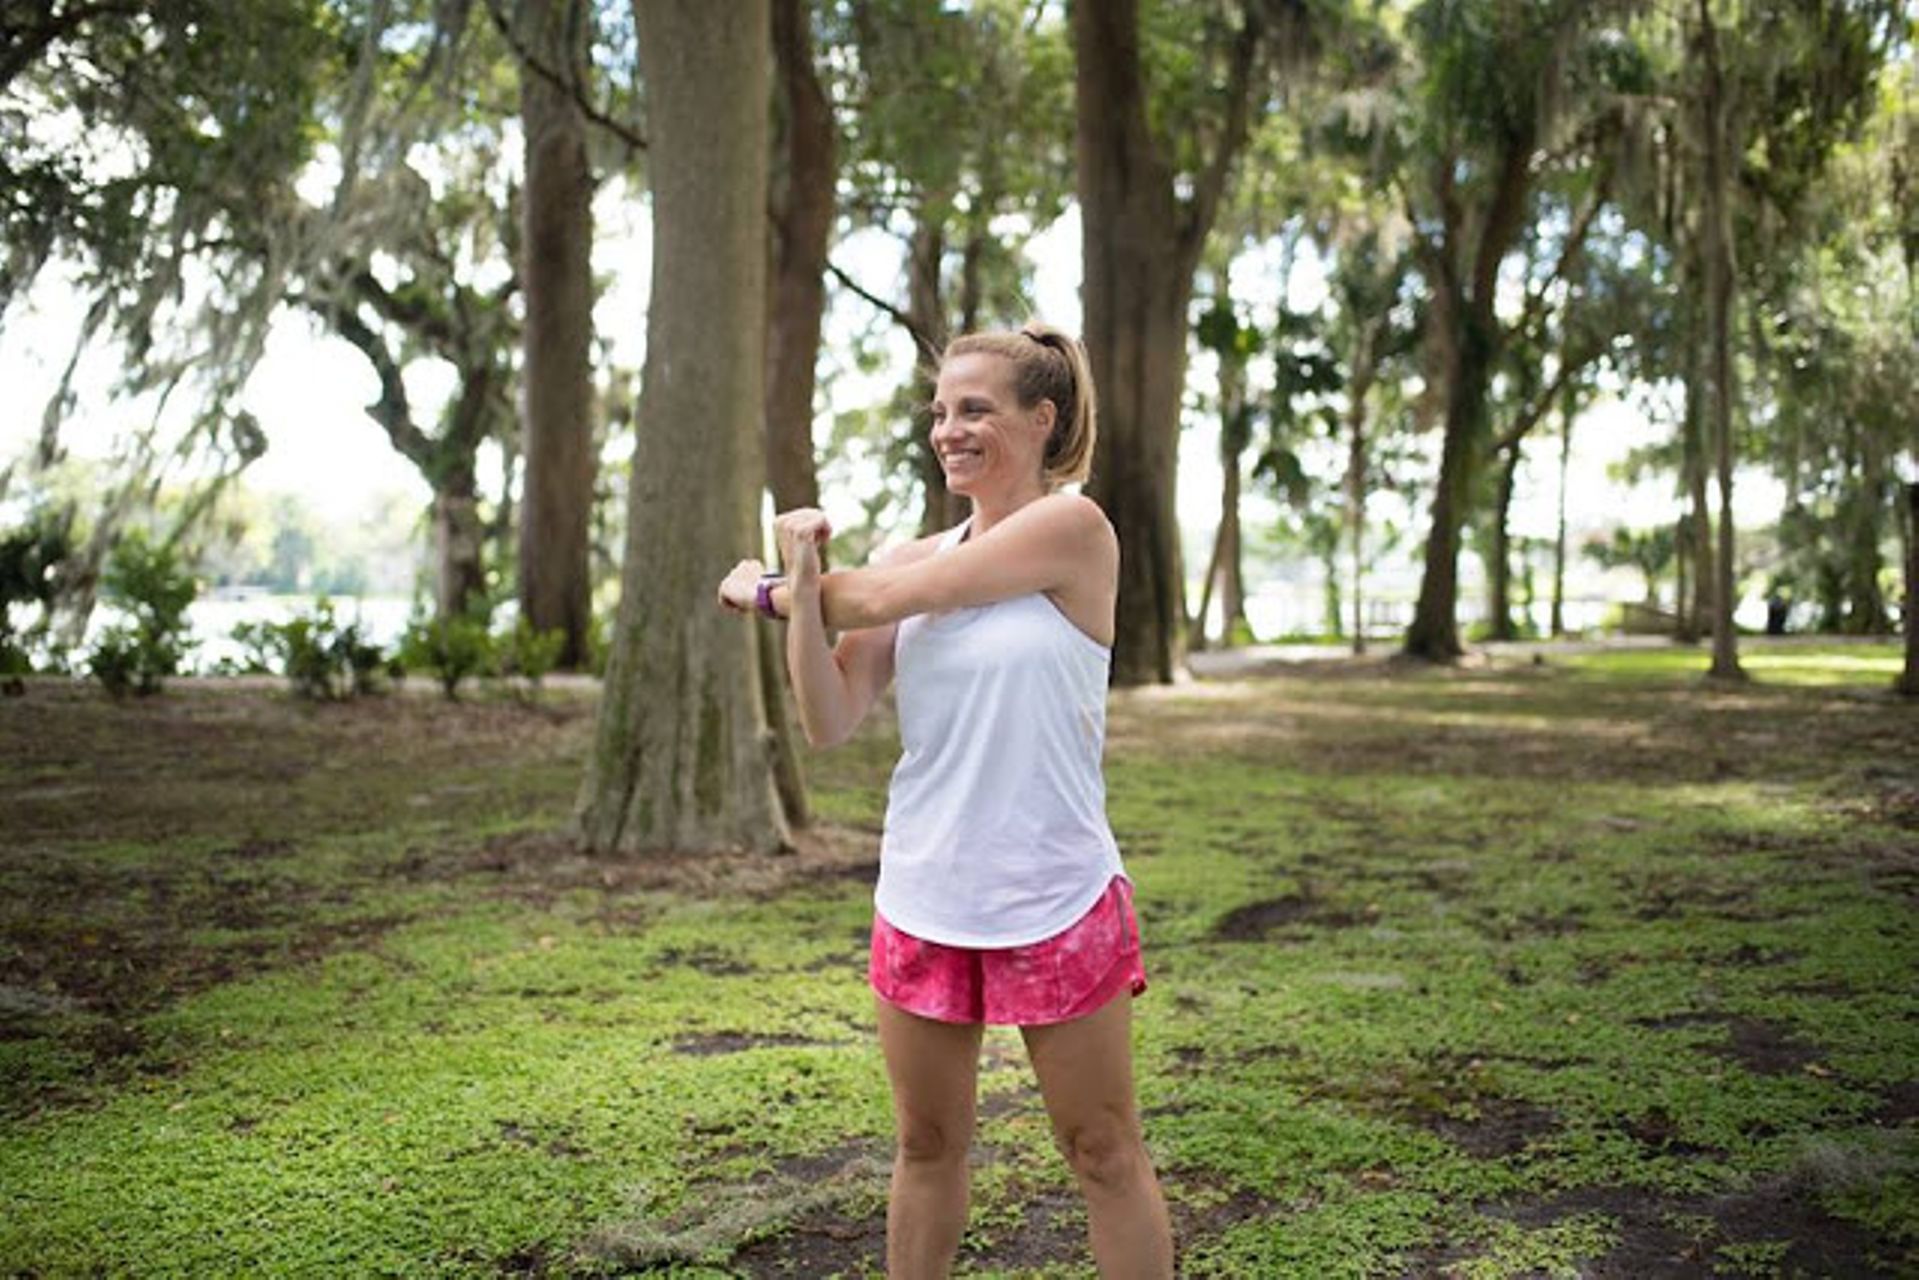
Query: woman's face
981	436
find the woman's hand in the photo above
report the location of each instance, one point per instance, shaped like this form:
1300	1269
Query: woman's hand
801	533
738	590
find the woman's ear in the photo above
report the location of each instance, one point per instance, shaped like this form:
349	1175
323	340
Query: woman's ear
1047	414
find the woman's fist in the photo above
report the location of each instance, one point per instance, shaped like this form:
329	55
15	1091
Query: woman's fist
801	534
740	587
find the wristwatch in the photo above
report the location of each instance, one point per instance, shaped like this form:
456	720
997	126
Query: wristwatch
763	594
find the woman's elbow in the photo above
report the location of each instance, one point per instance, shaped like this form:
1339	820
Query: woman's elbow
824	737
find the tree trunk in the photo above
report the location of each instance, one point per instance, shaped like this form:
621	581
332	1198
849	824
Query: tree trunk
926	311
460	578
1909	678
1719	308
802	224
555	575
1500	571
1694	543
1139	252
1356	479
1862	512
683	756
1434	633
1226	573
1569	409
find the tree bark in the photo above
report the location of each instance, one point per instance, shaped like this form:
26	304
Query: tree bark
555	575
1719	307
683	757
1140	248
803	206
1434	633
458	537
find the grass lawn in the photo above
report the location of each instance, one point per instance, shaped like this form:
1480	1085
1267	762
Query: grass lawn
1583	968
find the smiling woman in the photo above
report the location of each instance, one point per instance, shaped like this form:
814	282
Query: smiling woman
1001	895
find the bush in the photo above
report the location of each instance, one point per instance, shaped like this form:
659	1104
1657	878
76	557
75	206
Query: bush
528	653
115	662
150	584
29	558
319	657
452	648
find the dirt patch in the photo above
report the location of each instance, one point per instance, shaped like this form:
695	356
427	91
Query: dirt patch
826	1242
1764	1048
1255	921
1658	1131
711	1043
1652	1245
1499	1126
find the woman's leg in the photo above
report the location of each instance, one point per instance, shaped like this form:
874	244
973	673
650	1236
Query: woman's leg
1085	1070
934	1067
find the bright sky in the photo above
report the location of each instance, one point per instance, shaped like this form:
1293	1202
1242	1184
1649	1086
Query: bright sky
309	392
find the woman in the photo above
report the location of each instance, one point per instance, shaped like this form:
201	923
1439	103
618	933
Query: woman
1001	896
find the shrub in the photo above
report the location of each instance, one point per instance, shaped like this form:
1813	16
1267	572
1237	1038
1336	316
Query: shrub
319	657
529	653
115	661
151	584
452	648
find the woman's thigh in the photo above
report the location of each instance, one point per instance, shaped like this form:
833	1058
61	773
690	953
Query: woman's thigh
1085	1071
934	1068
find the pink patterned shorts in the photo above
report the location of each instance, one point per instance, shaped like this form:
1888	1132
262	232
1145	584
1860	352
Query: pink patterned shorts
1066	976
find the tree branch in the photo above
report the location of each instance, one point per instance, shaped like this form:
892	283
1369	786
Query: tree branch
1536	408
1568	251
1210	186
1504	213
566	84
391	410
922	339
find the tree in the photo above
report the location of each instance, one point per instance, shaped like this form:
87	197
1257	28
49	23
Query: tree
1141	243
556	245
681	756
202	113
1505	96
803	206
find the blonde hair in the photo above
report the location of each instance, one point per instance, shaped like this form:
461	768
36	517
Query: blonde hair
1048	364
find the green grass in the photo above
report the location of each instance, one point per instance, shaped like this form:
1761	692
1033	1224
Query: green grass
1492	973
1790	663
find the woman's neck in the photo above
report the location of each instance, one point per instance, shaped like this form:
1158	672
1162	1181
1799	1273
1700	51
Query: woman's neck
991	508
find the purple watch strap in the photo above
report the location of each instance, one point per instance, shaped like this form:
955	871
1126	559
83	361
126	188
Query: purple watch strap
763	596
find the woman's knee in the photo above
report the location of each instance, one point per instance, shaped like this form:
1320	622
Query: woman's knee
1108	1152
926	1141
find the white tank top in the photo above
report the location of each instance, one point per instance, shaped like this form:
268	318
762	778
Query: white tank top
996	831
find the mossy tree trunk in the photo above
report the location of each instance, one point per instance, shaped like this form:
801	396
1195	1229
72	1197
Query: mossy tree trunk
555	584
684	757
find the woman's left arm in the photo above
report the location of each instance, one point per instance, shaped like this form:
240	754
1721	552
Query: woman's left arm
1061	542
